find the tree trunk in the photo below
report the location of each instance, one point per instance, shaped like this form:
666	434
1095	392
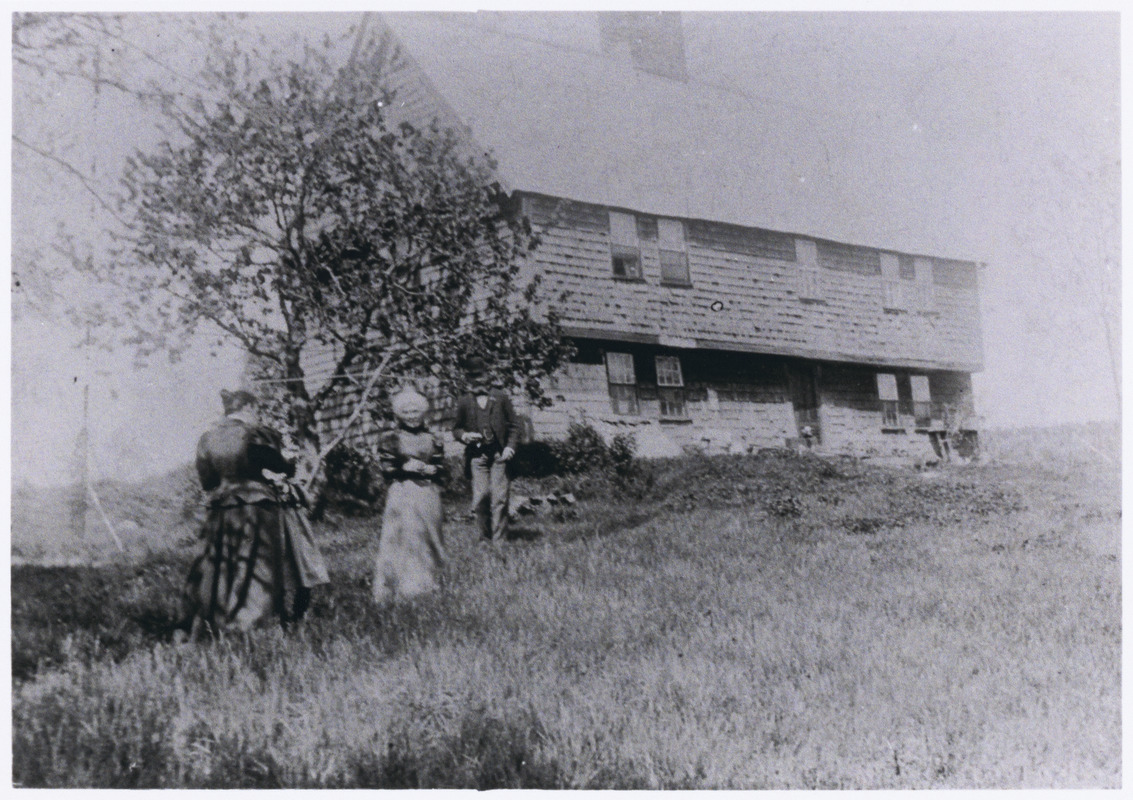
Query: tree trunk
304	425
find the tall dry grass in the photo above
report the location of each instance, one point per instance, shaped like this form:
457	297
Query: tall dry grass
767	625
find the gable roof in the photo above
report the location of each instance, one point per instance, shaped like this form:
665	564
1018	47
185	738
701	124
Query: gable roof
563	119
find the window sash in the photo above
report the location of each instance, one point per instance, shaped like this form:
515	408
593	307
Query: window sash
646	229
674	267
922	413
619	368
626	261
623	398
669	371
920	388
671	234
808	283
623	229
887	386
889	416
897	295
672	403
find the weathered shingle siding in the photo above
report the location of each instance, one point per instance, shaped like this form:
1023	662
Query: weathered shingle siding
750	408
741	400
761	301
578	392
415	99
851	415
757	298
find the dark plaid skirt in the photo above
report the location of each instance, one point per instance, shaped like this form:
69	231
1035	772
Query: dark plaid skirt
249	545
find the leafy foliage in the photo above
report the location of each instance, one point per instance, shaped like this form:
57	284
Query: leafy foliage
585	451
582	450
292	215
353	480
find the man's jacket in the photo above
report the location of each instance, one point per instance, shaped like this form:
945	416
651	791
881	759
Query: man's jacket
500	426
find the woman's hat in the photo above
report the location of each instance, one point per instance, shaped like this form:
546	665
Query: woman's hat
410	402
234	401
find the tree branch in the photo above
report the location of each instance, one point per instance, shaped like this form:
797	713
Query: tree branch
76	174
358	406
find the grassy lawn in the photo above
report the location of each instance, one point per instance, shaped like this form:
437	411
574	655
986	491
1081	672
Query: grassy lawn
724	623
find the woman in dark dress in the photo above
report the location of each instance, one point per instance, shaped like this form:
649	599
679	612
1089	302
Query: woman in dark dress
259	558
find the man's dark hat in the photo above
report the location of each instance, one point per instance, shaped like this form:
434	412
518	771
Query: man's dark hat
234	401
475	367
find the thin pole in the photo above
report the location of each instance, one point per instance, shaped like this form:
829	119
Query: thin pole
105	518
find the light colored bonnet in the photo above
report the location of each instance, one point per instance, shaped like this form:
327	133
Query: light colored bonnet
410	402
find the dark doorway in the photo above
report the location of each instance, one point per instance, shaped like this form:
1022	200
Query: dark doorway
802	382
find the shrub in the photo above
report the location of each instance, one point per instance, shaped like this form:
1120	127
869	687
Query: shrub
535	460
353	480
583	450
784	505
620	453
595	468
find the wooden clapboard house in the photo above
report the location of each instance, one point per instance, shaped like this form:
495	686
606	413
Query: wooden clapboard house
715	297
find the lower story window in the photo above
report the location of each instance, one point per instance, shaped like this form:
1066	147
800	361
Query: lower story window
670	387
904	400
922	400
887	395
672	402
622	382
623	399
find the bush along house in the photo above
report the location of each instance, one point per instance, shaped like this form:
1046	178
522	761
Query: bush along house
716	299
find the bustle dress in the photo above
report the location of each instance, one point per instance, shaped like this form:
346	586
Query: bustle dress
259	556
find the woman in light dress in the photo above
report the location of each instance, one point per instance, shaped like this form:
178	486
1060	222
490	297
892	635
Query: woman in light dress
411	551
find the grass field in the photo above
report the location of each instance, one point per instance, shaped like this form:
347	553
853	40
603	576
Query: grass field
756	622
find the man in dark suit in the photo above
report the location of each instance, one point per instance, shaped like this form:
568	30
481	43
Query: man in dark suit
487	426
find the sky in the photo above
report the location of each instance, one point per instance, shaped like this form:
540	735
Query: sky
1001	132
995	128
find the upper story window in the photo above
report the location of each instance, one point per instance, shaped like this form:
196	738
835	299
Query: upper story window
622	383
625	248
673	252
906	283
849	258
670	387
808	278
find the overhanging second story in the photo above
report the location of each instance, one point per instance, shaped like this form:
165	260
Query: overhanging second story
624	275
679	212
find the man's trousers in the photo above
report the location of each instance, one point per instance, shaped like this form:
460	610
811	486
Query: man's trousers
490	489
